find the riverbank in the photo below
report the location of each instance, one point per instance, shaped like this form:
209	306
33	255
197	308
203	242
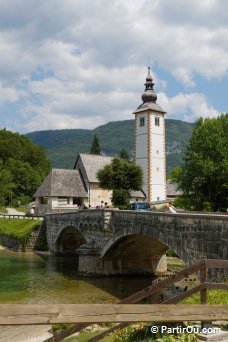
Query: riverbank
16	233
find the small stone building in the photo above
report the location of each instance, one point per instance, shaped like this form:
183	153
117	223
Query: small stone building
61	190
67	190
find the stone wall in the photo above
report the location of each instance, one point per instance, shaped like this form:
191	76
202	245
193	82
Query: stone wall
129	241
30	245
191	236
92	224
11	243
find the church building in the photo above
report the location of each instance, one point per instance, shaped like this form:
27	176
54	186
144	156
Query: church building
149	150
67	190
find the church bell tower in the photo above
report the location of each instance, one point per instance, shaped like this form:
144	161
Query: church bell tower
149	151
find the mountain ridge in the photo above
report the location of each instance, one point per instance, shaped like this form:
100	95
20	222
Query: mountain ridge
63	146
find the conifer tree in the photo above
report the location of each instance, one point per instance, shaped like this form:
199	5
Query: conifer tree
95	147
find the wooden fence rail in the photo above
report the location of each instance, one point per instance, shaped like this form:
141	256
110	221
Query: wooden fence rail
157	288
126	311
17	314
153	291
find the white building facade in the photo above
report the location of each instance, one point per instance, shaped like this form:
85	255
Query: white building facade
149	149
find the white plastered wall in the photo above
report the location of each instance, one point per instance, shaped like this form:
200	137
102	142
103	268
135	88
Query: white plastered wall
158	173
141	150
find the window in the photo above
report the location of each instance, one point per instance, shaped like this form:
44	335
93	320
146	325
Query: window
158	198
43	200
142	121
157	121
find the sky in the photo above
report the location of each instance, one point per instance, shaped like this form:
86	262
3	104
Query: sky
81	64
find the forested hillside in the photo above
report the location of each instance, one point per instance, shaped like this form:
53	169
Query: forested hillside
62	146
23	166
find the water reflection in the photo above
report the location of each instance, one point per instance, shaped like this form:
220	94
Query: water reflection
40	278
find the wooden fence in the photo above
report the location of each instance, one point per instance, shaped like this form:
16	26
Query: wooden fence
126	311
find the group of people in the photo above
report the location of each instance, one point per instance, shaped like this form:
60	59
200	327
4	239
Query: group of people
102	205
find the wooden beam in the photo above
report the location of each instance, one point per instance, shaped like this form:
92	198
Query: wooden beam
216	263
136	297
107	332
184	294
60	335
203	279
172	300
215	286
25	314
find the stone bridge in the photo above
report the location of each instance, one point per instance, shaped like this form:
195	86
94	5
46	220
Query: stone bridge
122	242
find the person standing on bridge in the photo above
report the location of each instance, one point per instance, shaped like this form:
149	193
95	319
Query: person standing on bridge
171	208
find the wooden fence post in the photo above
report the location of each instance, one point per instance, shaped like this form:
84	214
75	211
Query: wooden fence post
203	292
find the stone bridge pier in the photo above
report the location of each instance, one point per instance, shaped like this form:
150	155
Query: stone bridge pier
110	242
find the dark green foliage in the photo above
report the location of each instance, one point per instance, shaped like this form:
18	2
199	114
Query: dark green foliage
41	243
95	147
63	146
23	166
121	176
120	198
204	175
18	229
124	154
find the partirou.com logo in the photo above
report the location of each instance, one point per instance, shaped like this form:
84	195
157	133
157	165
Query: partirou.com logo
189	329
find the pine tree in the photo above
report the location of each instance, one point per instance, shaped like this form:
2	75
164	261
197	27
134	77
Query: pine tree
95	147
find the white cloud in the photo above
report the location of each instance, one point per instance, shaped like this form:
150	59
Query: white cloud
8	94
92	56
190	106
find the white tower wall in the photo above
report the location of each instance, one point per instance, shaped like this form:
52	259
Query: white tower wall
150	144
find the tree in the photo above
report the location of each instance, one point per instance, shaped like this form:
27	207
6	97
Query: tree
124	154
23	166
121	177
95	147
204	175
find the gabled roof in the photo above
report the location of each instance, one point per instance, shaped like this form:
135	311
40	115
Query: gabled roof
137	193
62	182
92	164
172	189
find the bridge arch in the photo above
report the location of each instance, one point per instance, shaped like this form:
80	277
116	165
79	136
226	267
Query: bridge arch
69	240
135	253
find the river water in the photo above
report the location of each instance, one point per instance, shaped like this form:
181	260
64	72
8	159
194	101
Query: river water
41	278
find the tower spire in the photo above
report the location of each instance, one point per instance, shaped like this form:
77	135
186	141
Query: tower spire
149	94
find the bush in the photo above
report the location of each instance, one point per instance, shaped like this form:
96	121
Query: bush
120	198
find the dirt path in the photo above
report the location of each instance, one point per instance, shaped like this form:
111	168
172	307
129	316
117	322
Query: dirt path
12	211
21	333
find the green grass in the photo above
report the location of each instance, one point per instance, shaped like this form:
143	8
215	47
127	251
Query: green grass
22	209
3	210
86	335
17	228
213	297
